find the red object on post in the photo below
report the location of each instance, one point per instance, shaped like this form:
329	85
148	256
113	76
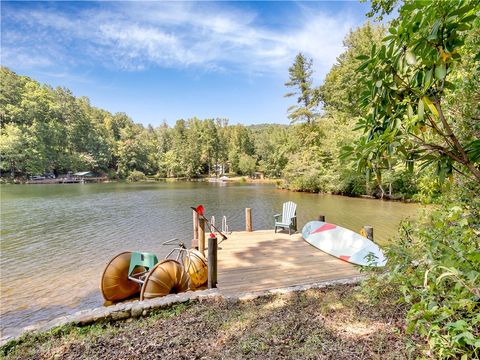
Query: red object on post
200	210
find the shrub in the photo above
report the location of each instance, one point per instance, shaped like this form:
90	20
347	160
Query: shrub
246	165
430	190
135	176
112	175
435	265
352	183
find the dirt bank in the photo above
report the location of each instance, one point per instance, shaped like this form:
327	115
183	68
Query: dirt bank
329	323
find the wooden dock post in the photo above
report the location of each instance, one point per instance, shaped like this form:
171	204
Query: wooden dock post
248	219
212	261
201	235
321	218
369	232
195	229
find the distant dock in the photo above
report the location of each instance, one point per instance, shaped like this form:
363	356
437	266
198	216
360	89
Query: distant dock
71	180
264	260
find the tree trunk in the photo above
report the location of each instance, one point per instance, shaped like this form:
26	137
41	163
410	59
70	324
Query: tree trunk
382	191
450	135
379	182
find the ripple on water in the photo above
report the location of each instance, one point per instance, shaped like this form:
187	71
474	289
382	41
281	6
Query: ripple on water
56	239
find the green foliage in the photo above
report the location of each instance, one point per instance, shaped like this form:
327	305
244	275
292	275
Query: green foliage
306	178
50	130
314	156
247	164
421	106
435	265
352	183
342	88
300	74
403	181
429	189
313	165
19	152
135	176
381	8
55	132
271	148
313	152
408	80
132	151
239	141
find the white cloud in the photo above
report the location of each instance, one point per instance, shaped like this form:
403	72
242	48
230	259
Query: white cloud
17	57
173	34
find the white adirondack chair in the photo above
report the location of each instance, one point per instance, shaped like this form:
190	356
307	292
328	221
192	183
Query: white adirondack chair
289	217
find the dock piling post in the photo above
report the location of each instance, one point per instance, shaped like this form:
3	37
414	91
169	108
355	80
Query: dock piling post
212	261
321	218
248	219
195	229
201	235
369	231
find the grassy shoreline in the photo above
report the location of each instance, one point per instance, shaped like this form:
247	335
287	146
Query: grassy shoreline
337	322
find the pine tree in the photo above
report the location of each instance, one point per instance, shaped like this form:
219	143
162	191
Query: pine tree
301	79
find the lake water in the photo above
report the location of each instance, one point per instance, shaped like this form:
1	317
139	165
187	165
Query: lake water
56	239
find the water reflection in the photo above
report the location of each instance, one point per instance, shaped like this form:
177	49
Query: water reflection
56	239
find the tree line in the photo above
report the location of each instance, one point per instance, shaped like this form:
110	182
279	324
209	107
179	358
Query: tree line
324	149
48	130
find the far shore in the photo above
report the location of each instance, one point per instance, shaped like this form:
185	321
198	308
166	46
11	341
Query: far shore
280	184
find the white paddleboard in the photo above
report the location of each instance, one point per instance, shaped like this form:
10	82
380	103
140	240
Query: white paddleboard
343	244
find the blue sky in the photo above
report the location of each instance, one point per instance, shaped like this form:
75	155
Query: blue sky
161	61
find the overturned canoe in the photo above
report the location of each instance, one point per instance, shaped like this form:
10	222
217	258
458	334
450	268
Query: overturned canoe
115	284
167	277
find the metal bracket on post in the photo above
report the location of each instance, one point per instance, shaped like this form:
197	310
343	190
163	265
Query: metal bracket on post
212	223
224	224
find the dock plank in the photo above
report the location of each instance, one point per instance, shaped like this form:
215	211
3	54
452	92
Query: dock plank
263	260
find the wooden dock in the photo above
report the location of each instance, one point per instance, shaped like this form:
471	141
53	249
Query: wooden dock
263	260
70	180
